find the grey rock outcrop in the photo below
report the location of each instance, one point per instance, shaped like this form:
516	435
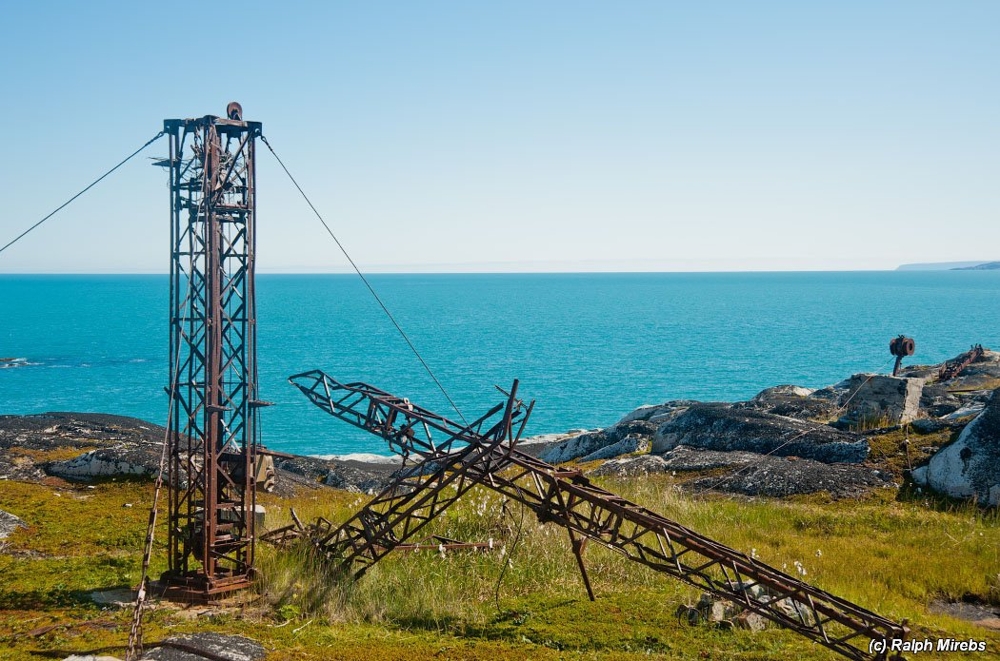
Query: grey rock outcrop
778	477
644	464
111	445
119	460
969	467
9	523
355	480
937	401
880	400
793	402
725	428
123	445
628	445
207	646
657	413
684	458
596	442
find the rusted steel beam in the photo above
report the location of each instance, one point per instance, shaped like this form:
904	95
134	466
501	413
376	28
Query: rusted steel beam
954	367
570	500
425	491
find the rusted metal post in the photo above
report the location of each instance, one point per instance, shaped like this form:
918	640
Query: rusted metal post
578	544
213	354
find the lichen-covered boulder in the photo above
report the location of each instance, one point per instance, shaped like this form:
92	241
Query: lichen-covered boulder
115	461
725	428
644	464
793	402
877	400
207	646
969	467
595	444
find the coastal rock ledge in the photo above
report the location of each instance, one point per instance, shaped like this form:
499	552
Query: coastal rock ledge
790	440
721	427
864	433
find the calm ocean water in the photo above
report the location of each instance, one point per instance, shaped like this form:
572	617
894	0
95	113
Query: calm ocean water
588	347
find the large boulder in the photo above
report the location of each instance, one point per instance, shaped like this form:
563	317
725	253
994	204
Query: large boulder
639	466
601	444
207	646
725	428
793	402
119	460
878	400
657	413
969	467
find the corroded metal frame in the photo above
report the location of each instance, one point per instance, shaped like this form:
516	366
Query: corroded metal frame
213	380
466	457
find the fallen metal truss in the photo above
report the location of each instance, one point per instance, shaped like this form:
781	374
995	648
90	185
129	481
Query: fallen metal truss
464	456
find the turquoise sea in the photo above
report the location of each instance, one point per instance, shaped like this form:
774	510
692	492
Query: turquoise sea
588	347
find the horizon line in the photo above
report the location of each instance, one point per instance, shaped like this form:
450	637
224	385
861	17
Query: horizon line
269	272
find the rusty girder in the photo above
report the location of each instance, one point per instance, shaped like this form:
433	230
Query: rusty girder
954	367
568	499
457	460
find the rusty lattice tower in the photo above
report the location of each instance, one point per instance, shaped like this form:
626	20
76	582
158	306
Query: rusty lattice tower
213	355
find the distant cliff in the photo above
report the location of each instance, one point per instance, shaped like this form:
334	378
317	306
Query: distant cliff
987	266
949	266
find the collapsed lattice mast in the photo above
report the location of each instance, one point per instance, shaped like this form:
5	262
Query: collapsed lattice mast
484	453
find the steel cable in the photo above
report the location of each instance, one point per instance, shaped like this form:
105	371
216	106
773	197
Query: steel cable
840	409
371	289
135	632
94	183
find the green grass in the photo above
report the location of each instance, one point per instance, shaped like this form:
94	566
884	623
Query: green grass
893	556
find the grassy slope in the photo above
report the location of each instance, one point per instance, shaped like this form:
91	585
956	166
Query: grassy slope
892	556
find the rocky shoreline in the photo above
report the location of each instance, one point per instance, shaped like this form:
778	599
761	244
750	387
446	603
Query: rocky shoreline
865	433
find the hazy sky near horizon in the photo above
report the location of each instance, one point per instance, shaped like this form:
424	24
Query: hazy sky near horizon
450	136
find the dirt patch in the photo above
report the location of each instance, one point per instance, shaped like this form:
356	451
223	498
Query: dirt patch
976	612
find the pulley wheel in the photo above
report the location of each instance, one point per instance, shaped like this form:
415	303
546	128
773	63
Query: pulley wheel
902	346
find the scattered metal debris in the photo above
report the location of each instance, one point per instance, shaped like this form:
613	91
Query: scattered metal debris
954	367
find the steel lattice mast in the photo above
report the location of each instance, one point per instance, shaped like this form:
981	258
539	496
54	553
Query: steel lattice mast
213	380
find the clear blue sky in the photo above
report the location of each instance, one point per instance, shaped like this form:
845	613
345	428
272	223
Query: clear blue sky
519	135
